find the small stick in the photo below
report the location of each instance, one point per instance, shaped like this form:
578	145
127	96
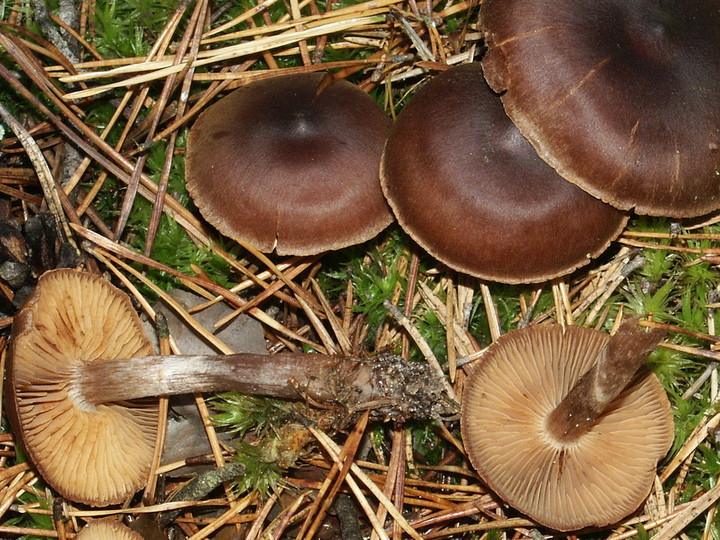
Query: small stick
43	173
409	294
200	487
235	509
59	519
27	530
256	528
663	247
450	330
404	442
163	334
692	511
260	8
491	310
334	451
417	41
333	481
287	516
397	456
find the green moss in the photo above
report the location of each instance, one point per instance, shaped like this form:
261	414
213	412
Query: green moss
264	420
128	27
374	269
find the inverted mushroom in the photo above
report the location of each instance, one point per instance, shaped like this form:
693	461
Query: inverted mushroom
471	190
107	529
79	364
551	424
619	96
93	454
291	164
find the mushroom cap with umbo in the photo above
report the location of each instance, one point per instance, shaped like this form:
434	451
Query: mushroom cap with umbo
291	164
619	96
93	454
471	190
107	529
595	480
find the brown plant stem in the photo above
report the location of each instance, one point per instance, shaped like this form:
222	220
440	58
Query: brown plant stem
615	367
390	386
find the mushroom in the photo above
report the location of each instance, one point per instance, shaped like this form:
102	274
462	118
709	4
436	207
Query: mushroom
471	190
562	426
620	97
93	454
291	164
80	364
107	529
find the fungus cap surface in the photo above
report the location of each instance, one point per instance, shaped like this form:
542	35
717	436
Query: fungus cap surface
93	454
107	529
596	480
472	192
291	164
620	96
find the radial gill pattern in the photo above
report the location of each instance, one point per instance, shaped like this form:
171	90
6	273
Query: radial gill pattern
595	480
107	529
96	455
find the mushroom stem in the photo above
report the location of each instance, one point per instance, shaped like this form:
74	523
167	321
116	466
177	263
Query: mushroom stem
393	386
120	379
615	367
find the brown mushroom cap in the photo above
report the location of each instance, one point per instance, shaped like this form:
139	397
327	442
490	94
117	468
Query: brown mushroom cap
472	191
107	529
596	480
620	96
96	455
291	164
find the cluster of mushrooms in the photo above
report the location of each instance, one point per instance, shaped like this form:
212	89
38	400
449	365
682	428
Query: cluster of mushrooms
604	108
518	169
563	424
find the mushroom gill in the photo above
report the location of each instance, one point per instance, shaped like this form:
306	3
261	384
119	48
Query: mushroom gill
107	529
595	479
80	320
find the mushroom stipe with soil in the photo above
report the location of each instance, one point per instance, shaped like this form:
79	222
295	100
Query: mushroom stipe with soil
81	376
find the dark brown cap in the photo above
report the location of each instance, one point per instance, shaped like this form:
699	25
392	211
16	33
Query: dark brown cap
96	455
621	97
594	480
471	190
291	164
